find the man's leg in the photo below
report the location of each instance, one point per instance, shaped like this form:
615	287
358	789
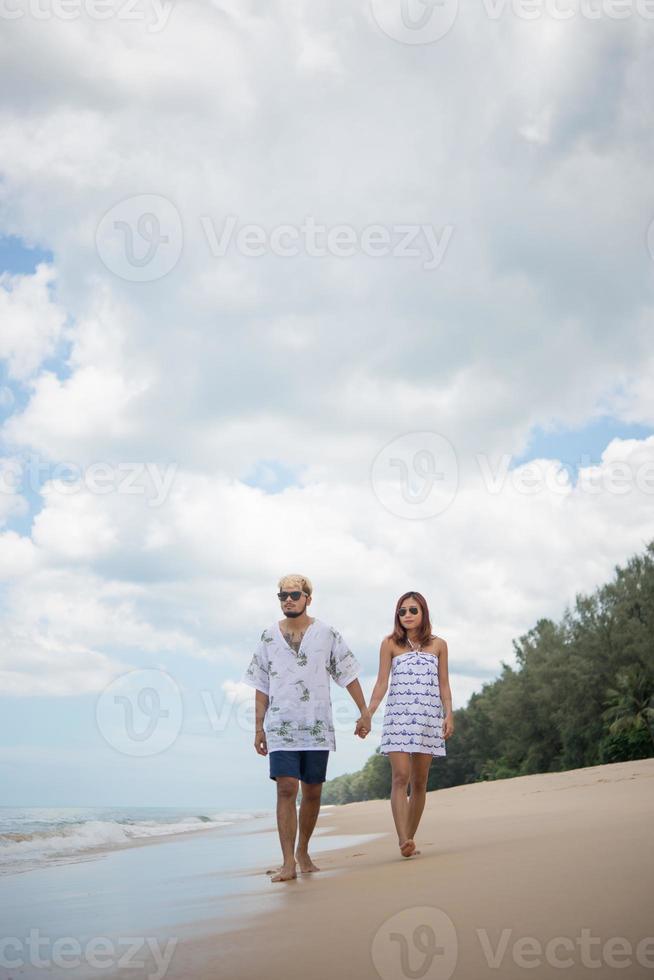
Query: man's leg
313	772
309	810
287	787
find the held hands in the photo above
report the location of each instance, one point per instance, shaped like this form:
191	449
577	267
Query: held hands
363	725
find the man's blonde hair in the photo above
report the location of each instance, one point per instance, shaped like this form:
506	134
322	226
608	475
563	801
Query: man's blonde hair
290	582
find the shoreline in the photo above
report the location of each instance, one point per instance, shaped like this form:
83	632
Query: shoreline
93	853
99	850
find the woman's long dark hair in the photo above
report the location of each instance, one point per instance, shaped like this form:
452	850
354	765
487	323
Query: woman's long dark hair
399	633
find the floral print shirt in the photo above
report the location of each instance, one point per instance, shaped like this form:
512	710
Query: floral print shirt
299	714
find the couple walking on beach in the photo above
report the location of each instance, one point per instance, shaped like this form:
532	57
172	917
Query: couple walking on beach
291	670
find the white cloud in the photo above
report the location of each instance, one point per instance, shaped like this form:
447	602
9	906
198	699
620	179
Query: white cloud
62	415
34	664
18	556
540	312
500	557
12	503
31	324
237	692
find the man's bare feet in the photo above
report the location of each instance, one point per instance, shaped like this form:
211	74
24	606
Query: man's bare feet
285	873
408	848
305	862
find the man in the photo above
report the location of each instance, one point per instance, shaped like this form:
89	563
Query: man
290	670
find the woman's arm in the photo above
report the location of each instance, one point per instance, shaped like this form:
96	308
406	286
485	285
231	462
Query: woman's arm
443	678
381	684
446	694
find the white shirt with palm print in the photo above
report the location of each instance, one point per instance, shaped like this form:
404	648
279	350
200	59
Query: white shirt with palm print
299	714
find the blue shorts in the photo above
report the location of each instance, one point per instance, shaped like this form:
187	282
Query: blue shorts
309	765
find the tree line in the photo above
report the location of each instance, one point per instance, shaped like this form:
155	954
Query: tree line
581	693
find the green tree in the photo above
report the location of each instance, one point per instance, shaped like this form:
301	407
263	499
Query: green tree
631	703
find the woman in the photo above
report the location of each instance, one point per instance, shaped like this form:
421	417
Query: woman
415	725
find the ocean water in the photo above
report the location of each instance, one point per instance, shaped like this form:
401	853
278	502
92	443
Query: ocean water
35	837
206	880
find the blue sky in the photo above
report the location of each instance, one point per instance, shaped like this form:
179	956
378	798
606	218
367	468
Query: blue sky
321	413
582	446
18	257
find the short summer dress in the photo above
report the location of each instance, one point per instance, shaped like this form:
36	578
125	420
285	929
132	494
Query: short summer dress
413	718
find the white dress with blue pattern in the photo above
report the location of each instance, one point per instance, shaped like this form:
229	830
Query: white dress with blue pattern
413	718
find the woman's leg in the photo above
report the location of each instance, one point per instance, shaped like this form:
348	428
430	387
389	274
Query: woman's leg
419	771
401	767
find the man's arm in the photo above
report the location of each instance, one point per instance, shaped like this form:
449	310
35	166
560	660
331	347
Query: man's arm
357	695
343	664
261	706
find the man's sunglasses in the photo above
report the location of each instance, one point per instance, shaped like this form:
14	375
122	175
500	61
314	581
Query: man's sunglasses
412	609
283	596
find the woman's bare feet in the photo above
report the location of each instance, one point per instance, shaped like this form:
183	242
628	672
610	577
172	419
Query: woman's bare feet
285	873
408	848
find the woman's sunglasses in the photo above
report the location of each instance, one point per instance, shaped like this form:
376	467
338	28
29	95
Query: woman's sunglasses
412	609
283	596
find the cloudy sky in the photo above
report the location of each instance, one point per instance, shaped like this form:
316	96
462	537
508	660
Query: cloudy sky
359	289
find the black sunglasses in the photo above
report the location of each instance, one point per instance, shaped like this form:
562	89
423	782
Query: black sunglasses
412	609
283	596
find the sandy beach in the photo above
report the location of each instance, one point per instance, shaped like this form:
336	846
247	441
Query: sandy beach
544	875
